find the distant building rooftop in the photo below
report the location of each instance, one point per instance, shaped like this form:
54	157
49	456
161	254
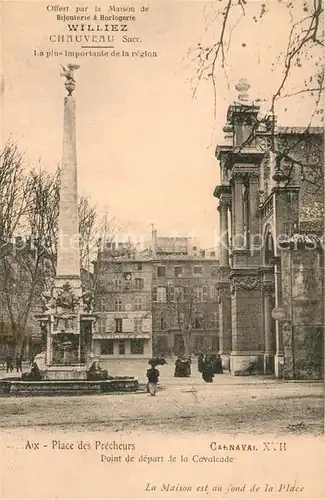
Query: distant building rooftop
158	248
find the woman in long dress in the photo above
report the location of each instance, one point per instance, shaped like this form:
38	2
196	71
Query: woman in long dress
207	370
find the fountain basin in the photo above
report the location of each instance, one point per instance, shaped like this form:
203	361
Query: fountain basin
18	387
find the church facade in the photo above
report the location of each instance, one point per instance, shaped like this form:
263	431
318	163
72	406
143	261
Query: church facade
271	199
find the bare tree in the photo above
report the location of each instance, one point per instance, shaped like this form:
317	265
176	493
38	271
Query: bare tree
88	230
184	303
304	46
28	263
13	205
107	230
29	209
299	71
13	192
43	213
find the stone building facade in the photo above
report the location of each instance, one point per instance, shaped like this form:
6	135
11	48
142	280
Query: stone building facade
140	294
271	291
122	304
184	285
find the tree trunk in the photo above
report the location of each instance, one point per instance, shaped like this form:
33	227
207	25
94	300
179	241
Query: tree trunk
187	343
19	339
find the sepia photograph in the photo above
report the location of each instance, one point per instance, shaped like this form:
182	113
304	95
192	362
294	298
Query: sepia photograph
162	249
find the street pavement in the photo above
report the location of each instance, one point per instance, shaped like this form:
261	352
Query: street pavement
230	404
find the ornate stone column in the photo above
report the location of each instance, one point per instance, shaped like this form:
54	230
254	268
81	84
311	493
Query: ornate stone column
225	347
237	204
224	204
224	194
269	344
279	354
255	239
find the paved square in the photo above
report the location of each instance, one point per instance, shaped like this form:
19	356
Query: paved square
233	405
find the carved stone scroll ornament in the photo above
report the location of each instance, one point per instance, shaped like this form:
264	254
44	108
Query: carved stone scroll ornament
249	283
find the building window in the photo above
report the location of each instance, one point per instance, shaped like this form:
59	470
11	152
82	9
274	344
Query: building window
106	347
137	346
198	344
214	343
161	271
198	322
178	271
117	283
138	303
179	345
213	323
146	324
214	293
214	271
137	325
139	283
171	294
198	293
205	293
197	269
103	303
163	322
118	325
139	266
121	347
179	295
161	294
118	304
102	325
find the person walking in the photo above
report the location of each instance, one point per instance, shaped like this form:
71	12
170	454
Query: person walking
19	361
9	363
200	362
218	365
207	371
153	378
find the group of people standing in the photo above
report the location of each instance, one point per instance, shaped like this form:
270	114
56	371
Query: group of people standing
18	361
208	365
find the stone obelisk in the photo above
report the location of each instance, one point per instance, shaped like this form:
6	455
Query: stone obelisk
68	255
67	317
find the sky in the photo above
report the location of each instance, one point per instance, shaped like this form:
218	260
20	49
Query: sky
146	148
